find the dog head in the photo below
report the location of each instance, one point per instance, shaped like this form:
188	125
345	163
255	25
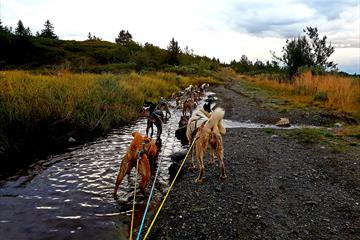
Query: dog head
183	121
149	147
144	144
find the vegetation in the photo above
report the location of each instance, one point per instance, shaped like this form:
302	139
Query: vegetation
48	31
44	51
333	140
331	92
309	51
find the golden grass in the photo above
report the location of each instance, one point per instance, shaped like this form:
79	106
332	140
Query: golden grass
91	101
332	92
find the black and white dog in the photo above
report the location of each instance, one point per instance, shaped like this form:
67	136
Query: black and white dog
154	116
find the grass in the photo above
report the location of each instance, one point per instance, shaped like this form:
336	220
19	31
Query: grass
335	140
330	92
90	100
34	104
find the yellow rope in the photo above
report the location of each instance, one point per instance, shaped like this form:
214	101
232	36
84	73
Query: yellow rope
162	203
133	207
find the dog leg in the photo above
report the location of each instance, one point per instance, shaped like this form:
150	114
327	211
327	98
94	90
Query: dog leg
212	156
145	172
191	160
147	127
200	157
124	168
220	154
159	130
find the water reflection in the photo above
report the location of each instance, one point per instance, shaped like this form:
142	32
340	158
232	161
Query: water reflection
71	195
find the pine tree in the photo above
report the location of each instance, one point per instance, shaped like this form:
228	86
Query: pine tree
20	30
48	31
124	38
2	28
173	52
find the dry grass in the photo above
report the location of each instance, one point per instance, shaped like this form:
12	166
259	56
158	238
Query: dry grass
332	92
90	101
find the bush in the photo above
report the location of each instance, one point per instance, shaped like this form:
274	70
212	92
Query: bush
321	96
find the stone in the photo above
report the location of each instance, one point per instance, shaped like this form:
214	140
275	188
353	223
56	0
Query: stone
283	122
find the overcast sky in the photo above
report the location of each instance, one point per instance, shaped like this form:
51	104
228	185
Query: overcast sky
225	29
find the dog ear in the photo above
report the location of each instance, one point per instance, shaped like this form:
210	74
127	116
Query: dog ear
135	133
146	139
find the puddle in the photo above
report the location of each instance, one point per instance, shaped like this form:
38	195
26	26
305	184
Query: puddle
234	124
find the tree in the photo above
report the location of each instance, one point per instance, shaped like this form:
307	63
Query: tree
124	38
2	28
48	31
309	50
321	52
21	31
173	52
93	37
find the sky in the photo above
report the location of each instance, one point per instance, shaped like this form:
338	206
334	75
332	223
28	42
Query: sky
224	29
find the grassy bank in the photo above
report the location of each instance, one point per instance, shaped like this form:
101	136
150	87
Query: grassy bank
38	112
328	92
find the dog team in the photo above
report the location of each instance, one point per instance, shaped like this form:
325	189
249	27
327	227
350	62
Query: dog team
203	125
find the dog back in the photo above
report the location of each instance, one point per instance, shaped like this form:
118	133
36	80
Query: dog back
198	118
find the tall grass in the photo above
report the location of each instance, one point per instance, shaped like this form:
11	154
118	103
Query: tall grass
333	92
85	100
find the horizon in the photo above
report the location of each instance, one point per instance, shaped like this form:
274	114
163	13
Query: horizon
224	31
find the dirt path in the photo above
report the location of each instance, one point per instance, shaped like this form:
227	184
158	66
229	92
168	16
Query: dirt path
276	188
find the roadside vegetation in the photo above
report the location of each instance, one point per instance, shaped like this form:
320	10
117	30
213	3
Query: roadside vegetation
328	92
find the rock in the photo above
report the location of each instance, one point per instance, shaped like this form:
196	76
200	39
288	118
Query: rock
218	189
274	136
338	125
283	122
71	140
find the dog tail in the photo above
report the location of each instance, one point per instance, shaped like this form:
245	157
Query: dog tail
215	121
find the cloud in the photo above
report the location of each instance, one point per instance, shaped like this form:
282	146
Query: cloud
330	9
223	29
339	20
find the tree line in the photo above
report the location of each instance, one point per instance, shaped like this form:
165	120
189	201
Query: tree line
19	48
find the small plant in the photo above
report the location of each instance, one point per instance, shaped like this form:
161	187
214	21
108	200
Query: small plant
321	96
269	130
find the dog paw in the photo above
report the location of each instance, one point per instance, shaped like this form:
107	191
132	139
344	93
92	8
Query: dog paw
198	180
211	163
223	177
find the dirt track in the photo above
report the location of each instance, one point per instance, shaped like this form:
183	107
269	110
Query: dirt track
276	188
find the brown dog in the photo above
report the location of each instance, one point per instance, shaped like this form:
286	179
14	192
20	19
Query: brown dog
188	106
207	129
145	149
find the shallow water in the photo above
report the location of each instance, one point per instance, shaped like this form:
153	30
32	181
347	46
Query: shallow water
248	124
69	196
